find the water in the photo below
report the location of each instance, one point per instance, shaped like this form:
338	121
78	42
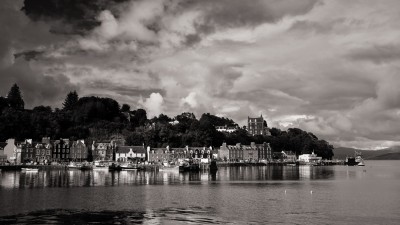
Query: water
237	195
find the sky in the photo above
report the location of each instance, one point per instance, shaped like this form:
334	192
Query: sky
330	67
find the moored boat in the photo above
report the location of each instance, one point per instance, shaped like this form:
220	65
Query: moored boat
361	163
73	165
86	166
130	166
114	167
357	160
189	167
30	169
213	166
100	166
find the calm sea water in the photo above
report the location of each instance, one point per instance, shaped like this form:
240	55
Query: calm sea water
236	195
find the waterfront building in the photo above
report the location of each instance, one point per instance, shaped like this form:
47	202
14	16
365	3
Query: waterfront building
100	150
257	126
200	152
247	153
250	152
10	150
159	155
309	158
28	151
78	151
265	153
43	152
289	156
223	152
61	150
130	153
3	157
235	152
180	154
175	155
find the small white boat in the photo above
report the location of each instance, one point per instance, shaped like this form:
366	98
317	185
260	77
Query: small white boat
129	166
361	163
30	169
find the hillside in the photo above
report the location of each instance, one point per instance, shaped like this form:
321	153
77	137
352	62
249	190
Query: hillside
384	154
388	156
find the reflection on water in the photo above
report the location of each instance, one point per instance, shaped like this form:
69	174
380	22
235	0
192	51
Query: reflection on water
77	178
192	215
234	195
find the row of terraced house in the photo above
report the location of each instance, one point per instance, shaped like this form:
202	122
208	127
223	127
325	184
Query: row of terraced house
65	150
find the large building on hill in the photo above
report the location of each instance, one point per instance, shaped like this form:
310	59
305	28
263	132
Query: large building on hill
256	126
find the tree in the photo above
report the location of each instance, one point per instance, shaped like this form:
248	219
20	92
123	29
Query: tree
71	100
125	108
14	98
3	103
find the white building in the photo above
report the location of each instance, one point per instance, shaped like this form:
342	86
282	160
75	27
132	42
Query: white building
309	158
126	153
226	129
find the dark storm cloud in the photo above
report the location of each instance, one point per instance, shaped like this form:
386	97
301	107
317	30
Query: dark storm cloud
78	17
377	54
29	55
81	14
237	13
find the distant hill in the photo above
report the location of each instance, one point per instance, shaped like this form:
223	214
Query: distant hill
384	154
388	156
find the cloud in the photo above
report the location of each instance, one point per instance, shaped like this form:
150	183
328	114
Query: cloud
318	65
190	100
73	17
153	104
377	54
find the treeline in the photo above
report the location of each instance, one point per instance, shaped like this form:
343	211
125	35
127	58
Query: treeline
101	119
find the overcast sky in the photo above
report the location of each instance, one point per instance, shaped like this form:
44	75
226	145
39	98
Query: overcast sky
328	67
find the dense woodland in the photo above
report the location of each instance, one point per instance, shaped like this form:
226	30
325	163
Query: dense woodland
100	119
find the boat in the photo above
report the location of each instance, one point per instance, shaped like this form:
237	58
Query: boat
114	167
100	166
73	165
30	169
355	161
213	166
86	166
189	167
359	159
351	161
166	166
130	166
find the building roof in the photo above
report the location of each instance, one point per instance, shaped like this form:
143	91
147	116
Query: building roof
126	149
